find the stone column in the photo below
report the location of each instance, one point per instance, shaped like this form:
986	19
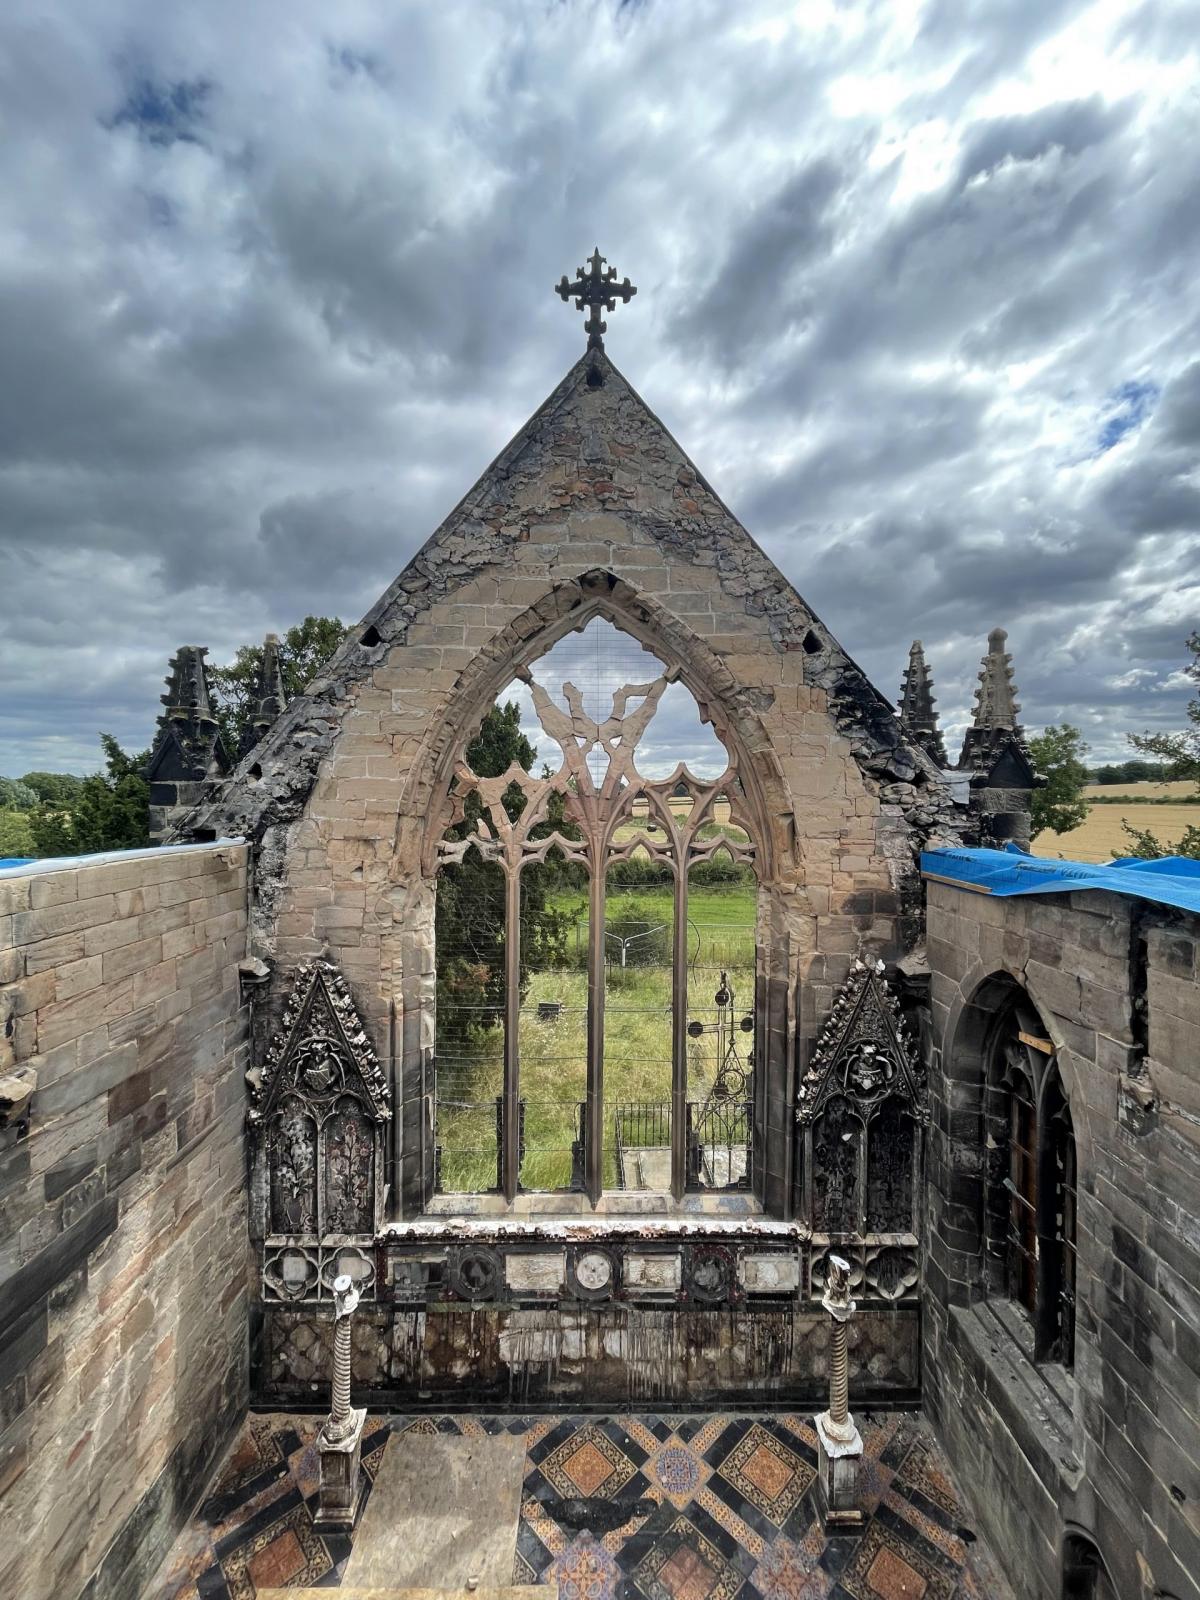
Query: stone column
340	1440
839	1444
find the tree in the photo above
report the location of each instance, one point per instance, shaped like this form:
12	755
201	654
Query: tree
470	912
1057	753
109	811
15	795
1180	754
303	651
53	788
16	836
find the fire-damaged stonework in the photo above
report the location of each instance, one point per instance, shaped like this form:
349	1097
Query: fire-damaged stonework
592	512
990	1117
1067	1400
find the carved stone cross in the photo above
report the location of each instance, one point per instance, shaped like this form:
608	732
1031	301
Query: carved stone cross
593	288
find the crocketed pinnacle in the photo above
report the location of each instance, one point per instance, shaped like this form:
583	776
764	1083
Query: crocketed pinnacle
269	697
187	698
918	717
996	705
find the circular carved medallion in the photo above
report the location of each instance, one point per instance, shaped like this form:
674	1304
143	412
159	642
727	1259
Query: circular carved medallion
594	1274
710	1273
474	1273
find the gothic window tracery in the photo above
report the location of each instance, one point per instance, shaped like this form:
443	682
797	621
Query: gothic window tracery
1032	1184
569	860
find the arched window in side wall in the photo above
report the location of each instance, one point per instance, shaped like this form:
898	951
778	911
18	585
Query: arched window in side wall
1032	1185
1085	1576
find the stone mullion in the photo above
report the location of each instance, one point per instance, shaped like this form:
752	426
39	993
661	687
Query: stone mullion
679	1029
594	1148
510	1154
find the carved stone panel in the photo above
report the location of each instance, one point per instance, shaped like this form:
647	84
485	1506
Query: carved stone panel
861	1108
292	1158
890	1170
349	1170
836	1163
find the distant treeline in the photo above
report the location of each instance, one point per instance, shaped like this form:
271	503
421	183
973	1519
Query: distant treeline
59	789
1144	800
1128	772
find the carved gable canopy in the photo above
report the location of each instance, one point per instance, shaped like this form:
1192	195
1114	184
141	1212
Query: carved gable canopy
319	1107
862	1053
321	1049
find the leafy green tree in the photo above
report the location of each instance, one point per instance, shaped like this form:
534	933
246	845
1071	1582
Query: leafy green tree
53	788
1057	754
470	914
303	651
16	836
109	811
1180	755
16	795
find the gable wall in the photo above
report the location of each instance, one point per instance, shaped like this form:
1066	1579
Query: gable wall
594	484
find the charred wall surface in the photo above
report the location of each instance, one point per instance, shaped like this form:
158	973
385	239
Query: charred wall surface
592	510
1107	1450
587	1316
123	1255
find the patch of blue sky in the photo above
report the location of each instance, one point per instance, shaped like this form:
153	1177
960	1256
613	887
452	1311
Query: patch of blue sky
1127	408
163	112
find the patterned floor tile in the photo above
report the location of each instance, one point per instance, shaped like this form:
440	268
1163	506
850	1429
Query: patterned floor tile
589	1464
718	1507
767	1473
888	1567
286	1553
727	1518
677	1470
787	1571
684	1565
585	1571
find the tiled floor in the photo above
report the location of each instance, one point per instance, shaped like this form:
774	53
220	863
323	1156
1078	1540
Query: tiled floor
622	1508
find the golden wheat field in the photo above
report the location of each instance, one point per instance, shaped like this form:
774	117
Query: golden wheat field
1180	788
1101	837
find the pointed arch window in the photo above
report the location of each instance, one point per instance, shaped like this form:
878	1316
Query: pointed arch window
1032	1190
595	937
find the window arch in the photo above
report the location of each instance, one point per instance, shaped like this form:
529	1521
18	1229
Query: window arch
1032	1179
595	776
1085	1577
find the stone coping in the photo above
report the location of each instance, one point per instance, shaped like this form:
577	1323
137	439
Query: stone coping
112	857
454	1230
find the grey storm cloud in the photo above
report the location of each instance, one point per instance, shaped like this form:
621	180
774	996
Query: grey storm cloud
916	291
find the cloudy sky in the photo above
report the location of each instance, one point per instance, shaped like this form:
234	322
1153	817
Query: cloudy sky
917	290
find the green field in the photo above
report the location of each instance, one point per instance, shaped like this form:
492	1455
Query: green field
637	1051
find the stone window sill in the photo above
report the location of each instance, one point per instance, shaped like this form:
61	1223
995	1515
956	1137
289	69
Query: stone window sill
1042	1392
620	1205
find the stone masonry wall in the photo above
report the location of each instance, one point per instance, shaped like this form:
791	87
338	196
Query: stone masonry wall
123	1236
593	509
1111	1450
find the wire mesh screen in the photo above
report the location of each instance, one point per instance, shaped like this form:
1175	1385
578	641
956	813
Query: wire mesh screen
469	1037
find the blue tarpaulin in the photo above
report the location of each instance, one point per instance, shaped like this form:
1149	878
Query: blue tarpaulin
1171	881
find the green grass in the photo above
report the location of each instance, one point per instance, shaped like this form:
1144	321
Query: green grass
637	1051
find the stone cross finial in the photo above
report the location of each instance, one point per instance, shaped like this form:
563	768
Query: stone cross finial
592	289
